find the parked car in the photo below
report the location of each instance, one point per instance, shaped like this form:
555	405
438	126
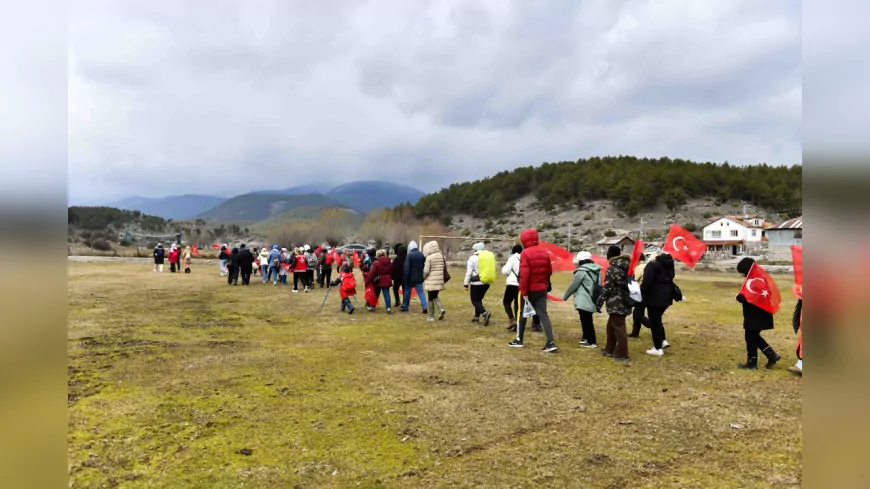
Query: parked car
355	248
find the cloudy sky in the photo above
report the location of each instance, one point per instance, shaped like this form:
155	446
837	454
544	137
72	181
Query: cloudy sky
224	97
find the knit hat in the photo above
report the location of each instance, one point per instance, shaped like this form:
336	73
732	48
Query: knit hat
583	255
613	251
478	247
745	265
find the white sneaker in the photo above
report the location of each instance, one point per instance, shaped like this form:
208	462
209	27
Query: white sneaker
665	344
655	352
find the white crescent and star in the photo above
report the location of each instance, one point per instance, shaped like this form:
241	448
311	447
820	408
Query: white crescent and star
764	292
674	243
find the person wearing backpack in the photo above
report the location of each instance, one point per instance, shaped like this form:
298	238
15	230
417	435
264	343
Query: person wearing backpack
657	288
300	269
310	266
615	295
159	256
586	287
535	272
475	281
223	256
274	261
348	288
435	277
327	259
511	300
412	277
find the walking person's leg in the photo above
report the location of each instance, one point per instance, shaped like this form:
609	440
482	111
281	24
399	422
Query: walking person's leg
431	295
638	319
587	324
539	302
768	351
421	294
508	301
656	326
386	293
620	351
476	300
751	338
610	342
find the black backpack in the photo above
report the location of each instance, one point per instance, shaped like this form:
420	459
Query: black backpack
597	289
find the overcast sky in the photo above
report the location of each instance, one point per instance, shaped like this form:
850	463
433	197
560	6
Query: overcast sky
224	97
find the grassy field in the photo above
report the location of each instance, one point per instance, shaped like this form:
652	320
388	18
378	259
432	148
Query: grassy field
182	381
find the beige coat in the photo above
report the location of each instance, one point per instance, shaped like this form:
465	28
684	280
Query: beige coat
433	269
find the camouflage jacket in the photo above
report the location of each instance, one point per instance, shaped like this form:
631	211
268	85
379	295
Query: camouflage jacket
615	293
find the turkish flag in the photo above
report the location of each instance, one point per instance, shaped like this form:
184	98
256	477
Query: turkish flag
683	246
194	250
635	257
554	298
797	257
760	290
561	259
355	259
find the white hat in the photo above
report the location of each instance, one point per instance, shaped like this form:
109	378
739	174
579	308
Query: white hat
583	255
306	248
478	246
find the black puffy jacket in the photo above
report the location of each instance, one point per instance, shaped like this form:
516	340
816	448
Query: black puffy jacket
657	285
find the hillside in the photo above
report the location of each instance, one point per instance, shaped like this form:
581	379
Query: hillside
340	217
257	207
171	207
632	184
311	188
368	195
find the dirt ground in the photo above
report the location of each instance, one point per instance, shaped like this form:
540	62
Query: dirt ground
183	381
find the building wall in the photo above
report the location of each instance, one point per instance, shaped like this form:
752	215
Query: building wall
783	237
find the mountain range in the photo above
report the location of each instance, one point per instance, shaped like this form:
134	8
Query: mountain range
360	196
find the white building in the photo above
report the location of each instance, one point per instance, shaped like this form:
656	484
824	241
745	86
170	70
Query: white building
734	234
783	236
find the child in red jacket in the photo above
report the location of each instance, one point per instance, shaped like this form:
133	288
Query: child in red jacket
348	288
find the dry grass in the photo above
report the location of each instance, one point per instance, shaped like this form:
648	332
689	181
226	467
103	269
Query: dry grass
172	377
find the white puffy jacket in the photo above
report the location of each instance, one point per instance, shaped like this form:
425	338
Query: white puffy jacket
511	270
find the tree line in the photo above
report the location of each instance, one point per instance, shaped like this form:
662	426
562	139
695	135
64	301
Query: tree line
101	217
633	184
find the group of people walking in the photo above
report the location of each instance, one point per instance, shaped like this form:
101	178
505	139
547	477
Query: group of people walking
176	257
527	273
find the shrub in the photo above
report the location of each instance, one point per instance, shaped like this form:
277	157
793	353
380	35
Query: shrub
707	215
609	233
587	232
124	242
100	244
620	215
549	224
588	217
690	227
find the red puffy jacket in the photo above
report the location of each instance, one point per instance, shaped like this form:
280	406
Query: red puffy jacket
535	266
381	268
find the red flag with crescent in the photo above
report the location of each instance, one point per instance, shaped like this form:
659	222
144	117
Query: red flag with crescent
635	257
760	290
684	246
561	259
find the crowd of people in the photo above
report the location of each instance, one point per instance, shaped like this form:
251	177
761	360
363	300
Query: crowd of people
527	271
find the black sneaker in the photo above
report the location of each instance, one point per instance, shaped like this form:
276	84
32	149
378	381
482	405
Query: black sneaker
475	320
425	311
486	316
516	343
606	353
351	311
549	348
537	329
441	315
621	359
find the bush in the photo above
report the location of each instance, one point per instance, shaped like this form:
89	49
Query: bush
587	232
125	243
100	244
549	224
588	217
690	227
707	215
609	233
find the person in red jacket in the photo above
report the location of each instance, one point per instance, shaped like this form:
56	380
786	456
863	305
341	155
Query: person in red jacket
300	270
534	280
348	288
380	278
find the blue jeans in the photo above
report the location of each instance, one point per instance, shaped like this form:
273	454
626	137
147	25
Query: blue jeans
386	292
264	272
223	267
273	272
345	303
406	291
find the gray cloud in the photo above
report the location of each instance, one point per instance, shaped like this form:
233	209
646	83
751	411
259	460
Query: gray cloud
232	97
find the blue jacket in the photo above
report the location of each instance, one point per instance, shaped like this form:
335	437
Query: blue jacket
275	254
414	263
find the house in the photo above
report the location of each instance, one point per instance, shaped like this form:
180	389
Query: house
735	234
624	243
781	237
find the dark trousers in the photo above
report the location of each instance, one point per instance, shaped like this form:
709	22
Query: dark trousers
657	325
431	295
539	302
588	326
638	319
246	277
754	342
478	292
233	276
299	277
511	301
325	276
346	304
397	298
172	267
310	278
617	339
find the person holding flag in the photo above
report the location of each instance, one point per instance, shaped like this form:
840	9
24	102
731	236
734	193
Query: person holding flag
760	299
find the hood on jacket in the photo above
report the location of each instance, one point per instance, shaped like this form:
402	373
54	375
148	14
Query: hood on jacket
621	261
743	267
412	246
264	252
667	262
173	247
399	248
431	248
589	265
159	245
235	251
529	237
613	251
478	246
275	247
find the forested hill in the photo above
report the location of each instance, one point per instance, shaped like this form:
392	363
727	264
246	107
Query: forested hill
633	184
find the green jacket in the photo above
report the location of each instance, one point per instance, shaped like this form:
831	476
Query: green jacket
585	278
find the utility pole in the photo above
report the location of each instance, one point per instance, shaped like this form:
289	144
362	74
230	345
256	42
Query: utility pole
642	222
569	237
